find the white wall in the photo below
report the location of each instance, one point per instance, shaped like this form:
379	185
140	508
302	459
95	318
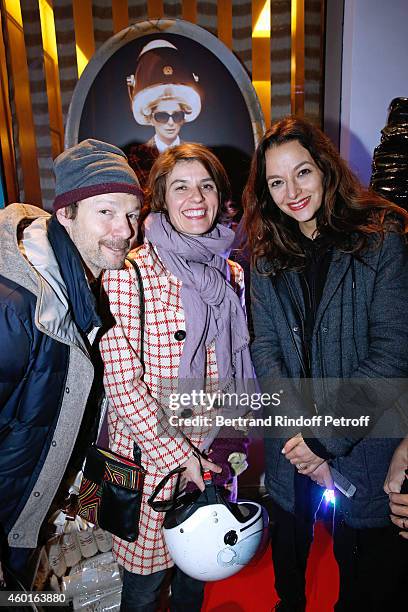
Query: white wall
374	71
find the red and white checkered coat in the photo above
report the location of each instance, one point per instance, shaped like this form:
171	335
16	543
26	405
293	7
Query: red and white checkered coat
136	397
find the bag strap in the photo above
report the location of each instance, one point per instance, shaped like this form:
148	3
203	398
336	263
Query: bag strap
141	306
137	453
142	328
156	505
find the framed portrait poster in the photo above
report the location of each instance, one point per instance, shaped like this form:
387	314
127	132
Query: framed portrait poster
158	83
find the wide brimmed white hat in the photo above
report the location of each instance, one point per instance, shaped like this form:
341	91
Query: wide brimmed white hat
162	74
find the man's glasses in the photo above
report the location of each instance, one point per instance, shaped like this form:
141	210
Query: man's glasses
163	117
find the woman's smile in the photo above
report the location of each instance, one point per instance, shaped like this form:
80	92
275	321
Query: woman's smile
299	204
195	213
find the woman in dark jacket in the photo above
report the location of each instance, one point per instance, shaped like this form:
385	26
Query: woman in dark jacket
329	295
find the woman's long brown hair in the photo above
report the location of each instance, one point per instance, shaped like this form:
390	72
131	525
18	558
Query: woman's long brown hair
350	216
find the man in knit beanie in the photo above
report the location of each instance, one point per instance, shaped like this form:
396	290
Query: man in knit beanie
49	319
97	197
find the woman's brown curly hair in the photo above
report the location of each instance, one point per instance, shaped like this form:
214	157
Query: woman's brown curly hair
350	216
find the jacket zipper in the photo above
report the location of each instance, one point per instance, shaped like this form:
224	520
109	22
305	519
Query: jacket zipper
307	373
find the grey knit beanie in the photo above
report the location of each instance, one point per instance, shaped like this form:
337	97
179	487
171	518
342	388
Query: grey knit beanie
90	168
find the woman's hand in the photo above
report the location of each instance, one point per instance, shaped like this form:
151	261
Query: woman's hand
192	472
399	509
396	471
322	476
392	486
299	454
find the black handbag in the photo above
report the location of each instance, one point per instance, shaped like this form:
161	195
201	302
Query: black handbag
110	494
111	490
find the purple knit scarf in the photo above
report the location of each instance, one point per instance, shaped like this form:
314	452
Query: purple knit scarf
212	309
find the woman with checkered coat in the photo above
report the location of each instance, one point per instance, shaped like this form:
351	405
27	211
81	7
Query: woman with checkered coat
195	332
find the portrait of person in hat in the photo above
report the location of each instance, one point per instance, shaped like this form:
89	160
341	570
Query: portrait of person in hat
164	93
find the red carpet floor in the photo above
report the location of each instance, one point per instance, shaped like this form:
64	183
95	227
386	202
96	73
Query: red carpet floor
252	590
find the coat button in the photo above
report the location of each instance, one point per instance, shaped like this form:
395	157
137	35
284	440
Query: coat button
66	389
36	494
16	536
53	443
180	335
186	413
296	329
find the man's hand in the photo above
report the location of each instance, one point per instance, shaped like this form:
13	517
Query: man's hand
192	472
299	454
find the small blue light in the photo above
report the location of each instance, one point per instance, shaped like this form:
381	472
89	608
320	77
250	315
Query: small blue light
329	496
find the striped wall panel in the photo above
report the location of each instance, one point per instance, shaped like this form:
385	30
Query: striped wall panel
280	58
102	21
313	60
39	99
173	9
242	32
207	15
137	10
67	59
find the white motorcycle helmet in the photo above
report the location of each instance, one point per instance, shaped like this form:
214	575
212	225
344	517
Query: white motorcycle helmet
210	538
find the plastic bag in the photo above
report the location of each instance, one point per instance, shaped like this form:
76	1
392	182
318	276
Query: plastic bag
91	579
96	601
